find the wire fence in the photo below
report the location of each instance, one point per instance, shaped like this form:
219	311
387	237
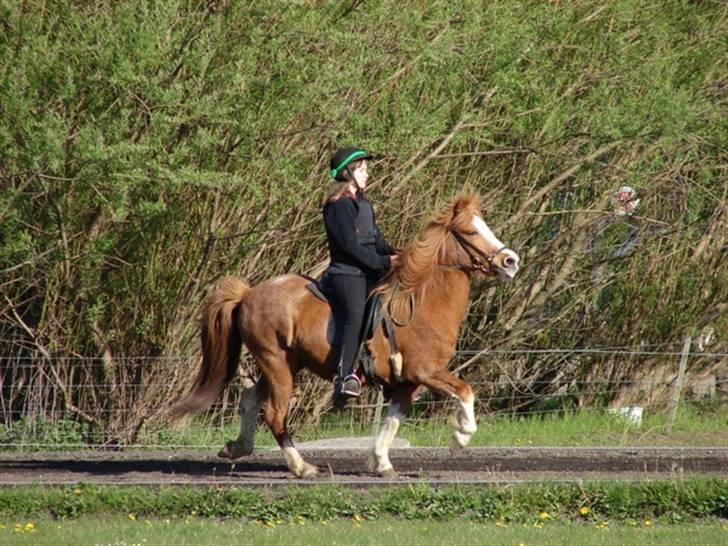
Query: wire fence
71	403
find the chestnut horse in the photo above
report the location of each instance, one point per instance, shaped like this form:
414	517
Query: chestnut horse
284	326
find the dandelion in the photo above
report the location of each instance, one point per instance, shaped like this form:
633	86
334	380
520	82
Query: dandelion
357	518
132	517
324	522
584	510
270	524
543	516
648	522
538	525
77	491
501	523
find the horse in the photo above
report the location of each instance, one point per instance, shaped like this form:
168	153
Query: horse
284	326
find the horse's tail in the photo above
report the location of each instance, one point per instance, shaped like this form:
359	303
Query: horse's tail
221	346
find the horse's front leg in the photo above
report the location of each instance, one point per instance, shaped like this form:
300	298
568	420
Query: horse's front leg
379	455
464	419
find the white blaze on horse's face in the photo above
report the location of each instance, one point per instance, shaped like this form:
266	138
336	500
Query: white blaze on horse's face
505	261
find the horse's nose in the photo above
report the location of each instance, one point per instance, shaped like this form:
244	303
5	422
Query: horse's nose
510	262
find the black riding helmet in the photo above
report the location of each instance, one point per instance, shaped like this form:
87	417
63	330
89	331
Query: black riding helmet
342	158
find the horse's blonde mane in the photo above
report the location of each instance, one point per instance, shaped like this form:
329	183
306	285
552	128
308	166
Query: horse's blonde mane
418	261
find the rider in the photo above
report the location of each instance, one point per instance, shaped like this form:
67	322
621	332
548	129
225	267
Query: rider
359	257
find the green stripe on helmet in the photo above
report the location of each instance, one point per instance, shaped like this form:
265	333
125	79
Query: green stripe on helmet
359	153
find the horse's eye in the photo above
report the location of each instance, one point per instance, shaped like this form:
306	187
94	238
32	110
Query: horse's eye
471	233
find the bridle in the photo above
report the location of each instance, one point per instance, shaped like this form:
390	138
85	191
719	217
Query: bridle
479	261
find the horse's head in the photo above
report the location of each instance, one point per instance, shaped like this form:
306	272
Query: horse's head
473	245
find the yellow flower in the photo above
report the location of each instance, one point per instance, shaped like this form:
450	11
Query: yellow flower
2	526
501	523
77	491
357	518
584	510
538	525
648	522
29	526
132	517
543	516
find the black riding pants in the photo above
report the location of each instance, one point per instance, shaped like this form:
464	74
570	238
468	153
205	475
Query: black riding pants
349	302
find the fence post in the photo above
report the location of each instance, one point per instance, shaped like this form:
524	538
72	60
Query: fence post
677	385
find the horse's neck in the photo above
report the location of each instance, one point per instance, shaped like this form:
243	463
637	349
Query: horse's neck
446	300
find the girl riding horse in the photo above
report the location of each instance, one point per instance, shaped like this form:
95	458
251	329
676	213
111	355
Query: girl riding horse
359	257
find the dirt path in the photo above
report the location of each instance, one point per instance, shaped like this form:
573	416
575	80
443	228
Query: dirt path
479	465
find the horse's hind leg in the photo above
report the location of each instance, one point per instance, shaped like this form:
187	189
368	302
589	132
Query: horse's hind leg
379	455
251	400
280	388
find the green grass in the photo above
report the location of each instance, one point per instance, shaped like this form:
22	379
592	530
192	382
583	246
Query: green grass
193	530
694	426
671	501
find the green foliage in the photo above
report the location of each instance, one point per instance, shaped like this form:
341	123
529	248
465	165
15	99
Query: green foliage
688	500
149	148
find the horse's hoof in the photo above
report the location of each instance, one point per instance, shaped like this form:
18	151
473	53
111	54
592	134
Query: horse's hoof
308	472
233	451
388	473
459	441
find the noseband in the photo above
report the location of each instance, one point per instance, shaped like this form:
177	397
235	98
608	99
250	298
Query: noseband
479	260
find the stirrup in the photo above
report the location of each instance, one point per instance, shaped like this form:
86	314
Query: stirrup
351	386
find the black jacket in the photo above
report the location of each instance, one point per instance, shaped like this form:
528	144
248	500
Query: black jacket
355	243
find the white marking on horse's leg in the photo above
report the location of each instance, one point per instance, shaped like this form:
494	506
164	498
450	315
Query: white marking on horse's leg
299	467
252	399
379	456
465	424
467	415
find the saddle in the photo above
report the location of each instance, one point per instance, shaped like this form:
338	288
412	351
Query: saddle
373	317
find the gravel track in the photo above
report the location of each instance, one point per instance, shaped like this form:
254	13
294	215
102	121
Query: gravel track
347	466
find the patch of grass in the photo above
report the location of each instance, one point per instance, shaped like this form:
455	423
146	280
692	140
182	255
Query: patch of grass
194	530
591	502
693	427
696	425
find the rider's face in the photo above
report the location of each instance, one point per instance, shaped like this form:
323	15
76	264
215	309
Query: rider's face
361	175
